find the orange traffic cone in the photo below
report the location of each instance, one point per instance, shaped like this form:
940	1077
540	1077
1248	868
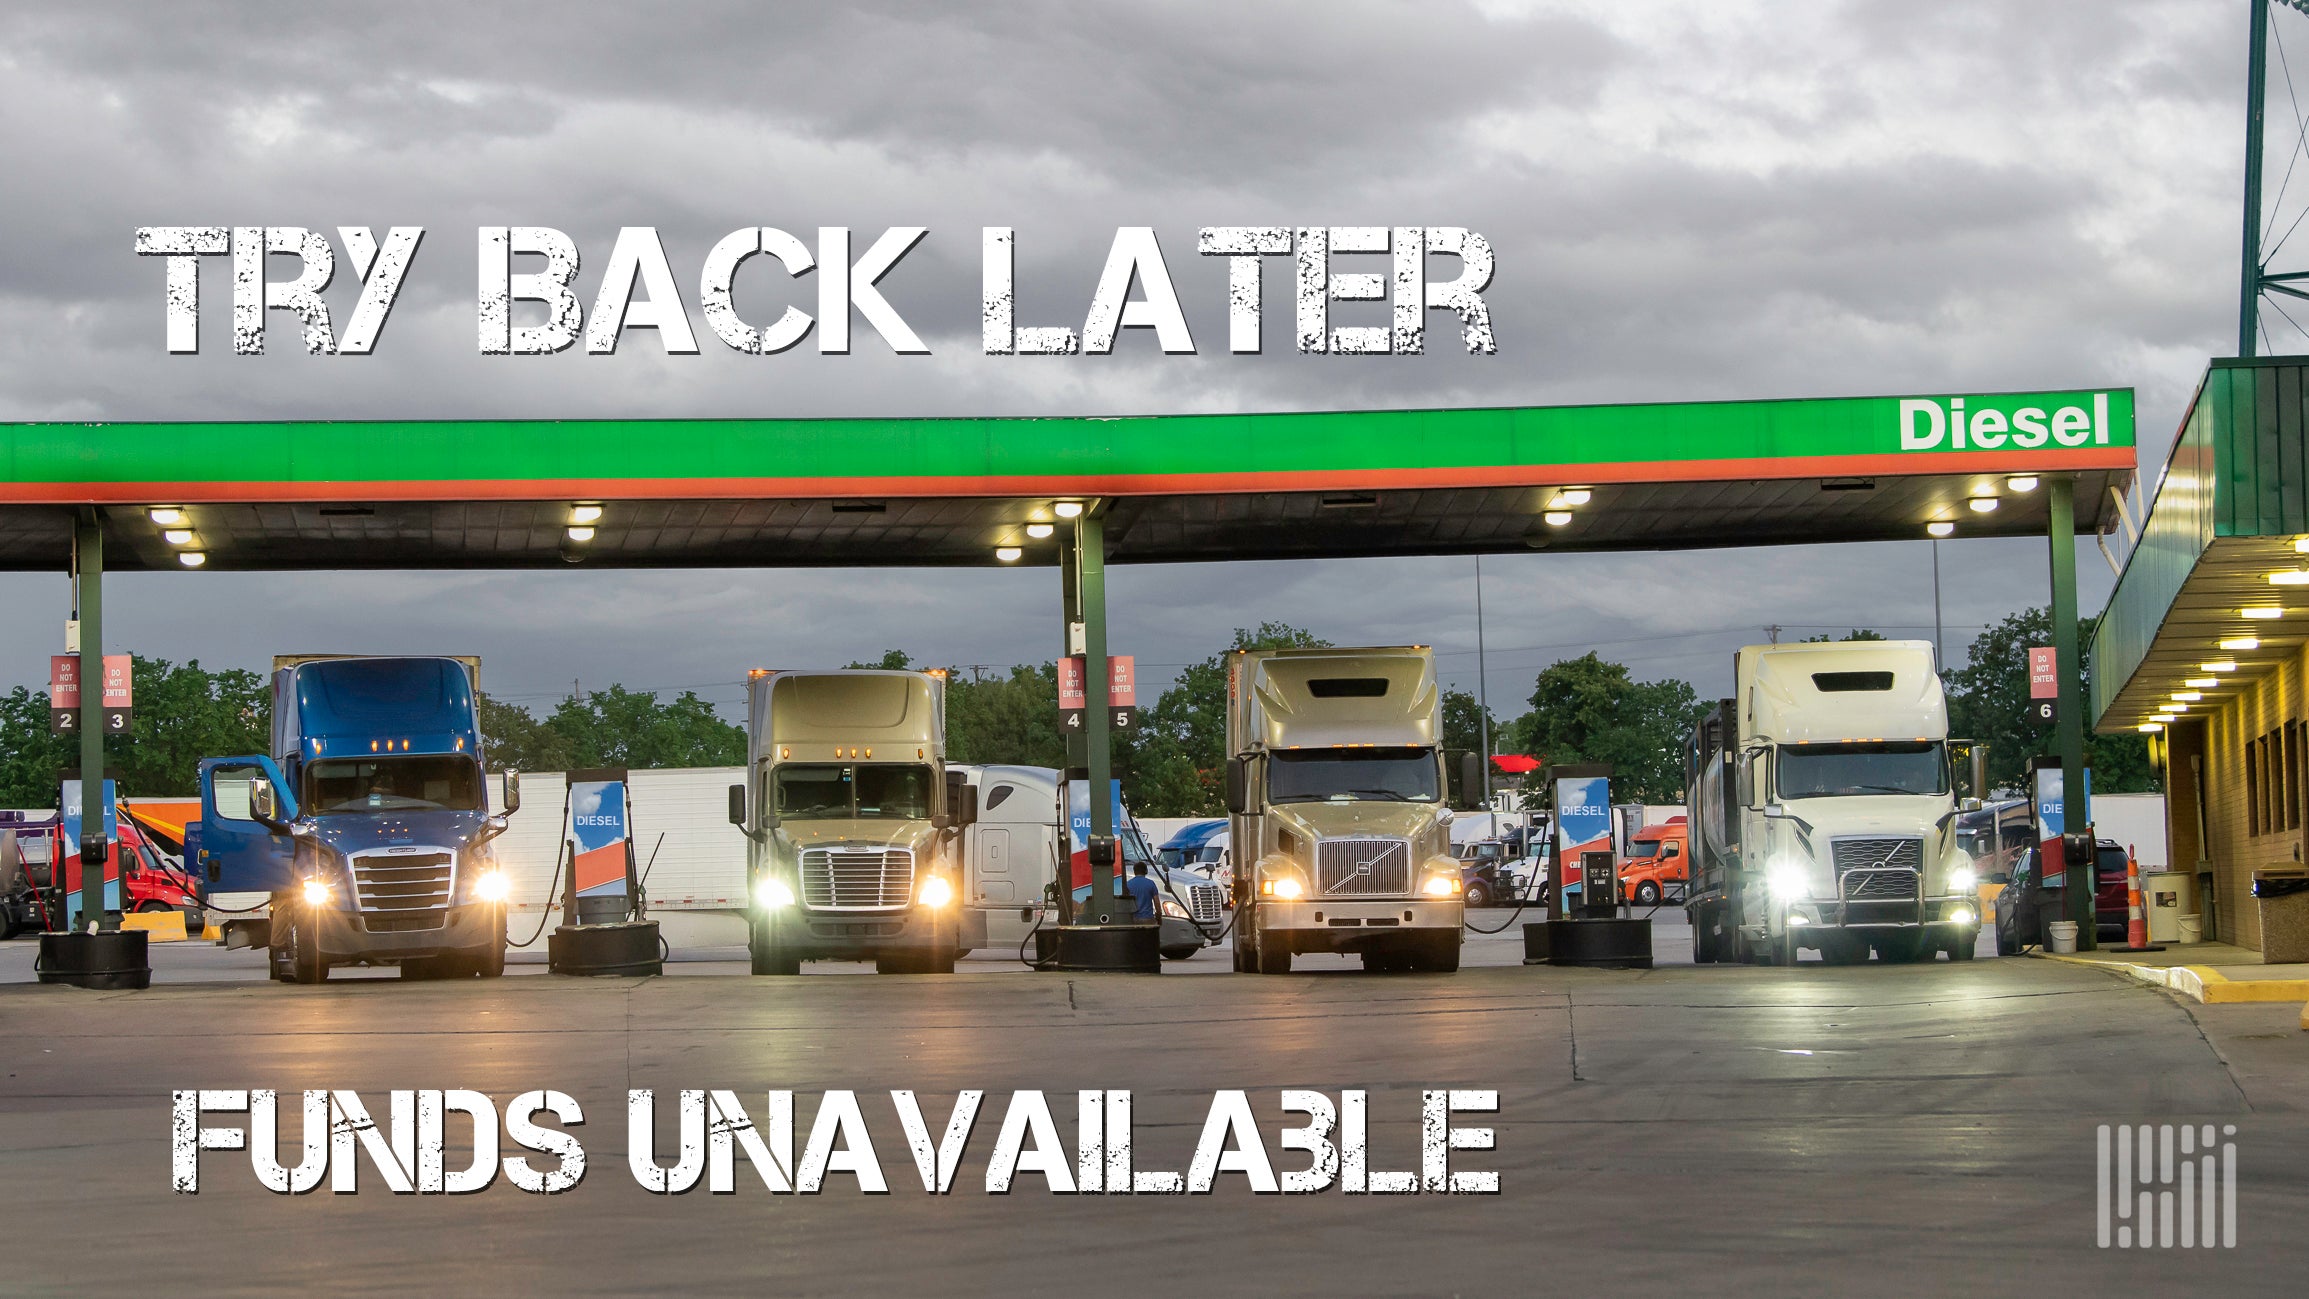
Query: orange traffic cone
2136	920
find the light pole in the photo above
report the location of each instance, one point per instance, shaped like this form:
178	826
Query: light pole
1483	703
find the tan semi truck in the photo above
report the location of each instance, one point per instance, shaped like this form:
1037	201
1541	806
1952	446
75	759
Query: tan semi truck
854	821
1336	785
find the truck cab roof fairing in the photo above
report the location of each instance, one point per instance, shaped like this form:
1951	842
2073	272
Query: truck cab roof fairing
1285	681
1788	703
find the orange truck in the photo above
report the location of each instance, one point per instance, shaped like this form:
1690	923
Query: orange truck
1658	865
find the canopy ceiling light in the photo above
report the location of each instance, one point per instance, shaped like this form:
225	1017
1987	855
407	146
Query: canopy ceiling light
177	536
2152	726
1066	509
1983	504
2202	683
1007	554
1556	518
2261	612
2290	577
580	534
167	516
2238	643
1566	497
585	513
1940	527
2021	482
1040	530
2219	665
2187	696
192	558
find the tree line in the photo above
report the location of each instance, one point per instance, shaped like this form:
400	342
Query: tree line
1584	709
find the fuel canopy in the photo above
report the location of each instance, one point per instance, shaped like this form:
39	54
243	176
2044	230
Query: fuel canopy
950	491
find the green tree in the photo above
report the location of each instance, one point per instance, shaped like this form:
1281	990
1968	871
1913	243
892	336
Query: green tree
1463	722
183	713
1857	633
1006	719
618	727
891	661
1590	710
515	740
1988	700
1176	759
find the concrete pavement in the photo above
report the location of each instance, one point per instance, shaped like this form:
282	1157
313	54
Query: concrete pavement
1688	1130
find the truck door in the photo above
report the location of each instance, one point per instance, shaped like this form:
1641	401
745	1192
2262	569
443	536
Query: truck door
994	877
234	853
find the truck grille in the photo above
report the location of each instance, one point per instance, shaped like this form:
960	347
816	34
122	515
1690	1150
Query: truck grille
1362	868
1878	854
1881	886
857	877
404	881
1207	903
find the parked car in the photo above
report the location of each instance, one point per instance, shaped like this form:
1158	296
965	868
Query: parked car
2025	904
1657	868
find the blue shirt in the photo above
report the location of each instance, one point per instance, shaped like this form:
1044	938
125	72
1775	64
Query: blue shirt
1144	889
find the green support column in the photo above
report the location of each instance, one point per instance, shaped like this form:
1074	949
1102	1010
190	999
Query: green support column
2069	729
1090	585
88	550
2256	91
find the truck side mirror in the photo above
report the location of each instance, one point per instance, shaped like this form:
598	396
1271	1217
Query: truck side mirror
1471	778
1239	785
961	800
738	806
512	791
265	806
1755	780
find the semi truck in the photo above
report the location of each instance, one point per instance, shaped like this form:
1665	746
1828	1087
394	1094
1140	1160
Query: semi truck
1336	793
1821	813
363	838
854	821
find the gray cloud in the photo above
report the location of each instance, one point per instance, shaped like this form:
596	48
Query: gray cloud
1720	200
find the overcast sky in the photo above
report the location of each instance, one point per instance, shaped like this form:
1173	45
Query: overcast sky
1705	199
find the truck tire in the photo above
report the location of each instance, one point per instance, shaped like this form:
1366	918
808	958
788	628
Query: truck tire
1477	895
1648	894
1274	955
1964	949
153	904
303	960
1441	954
489	962
1245	953
766	958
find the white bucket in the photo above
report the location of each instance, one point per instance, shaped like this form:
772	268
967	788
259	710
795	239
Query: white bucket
2192	929
2062	935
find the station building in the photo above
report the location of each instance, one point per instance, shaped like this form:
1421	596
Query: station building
2205	641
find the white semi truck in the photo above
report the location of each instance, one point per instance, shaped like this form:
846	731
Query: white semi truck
1336	784
1822	814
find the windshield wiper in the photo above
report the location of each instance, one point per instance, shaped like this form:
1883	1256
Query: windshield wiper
1388	795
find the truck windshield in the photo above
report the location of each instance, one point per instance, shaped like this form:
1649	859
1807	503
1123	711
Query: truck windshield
1833	770
1643	847
1346	775
885	790
338	786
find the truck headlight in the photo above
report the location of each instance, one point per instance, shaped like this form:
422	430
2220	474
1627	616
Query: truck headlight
317	893
1961	916
774	893
491	886
1786	879
1287	888
937	891
1441	886
1962	880
1174	910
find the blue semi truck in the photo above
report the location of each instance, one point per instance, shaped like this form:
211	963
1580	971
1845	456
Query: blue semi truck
363	838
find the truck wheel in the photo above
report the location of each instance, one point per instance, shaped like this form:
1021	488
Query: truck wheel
1477	895
1246	956
766	958
154	904
1965	947
899	962
305	964
489	962
1442	953
1274	954
1648	894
